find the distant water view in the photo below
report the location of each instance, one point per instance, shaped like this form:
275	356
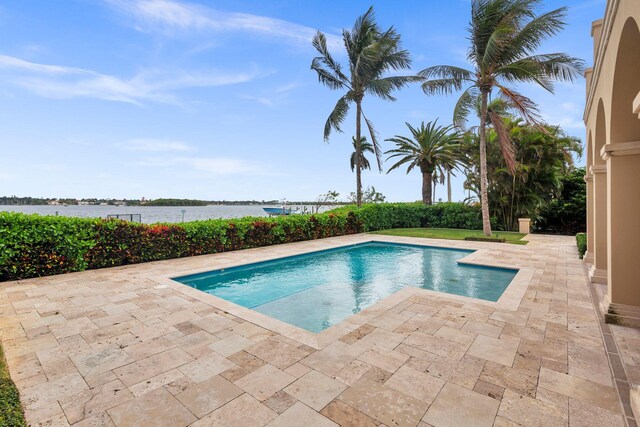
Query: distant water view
150	214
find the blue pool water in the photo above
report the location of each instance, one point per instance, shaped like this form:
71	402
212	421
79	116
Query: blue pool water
316	290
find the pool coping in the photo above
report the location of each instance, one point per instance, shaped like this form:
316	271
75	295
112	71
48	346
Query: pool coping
509	300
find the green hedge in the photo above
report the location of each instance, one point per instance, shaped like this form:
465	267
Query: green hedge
33	245
581	241
384	216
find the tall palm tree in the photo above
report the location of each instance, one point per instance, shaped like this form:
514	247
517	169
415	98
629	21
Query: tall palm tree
504	36
372	53
429	148
365	147
437	178
449	175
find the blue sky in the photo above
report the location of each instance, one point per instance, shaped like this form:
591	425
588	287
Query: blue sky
215	99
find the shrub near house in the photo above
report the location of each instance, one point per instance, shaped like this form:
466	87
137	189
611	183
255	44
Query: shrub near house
33	245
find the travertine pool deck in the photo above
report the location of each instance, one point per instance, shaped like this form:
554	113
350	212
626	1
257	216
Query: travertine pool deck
127	346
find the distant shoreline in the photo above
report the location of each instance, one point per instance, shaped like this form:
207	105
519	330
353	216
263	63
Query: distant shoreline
177	206
33	201
154	214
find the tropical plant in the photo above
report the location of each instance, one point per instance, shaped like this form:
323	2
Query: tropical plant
567	212
372	53
431	148
504	36
328	198
365	147
369	195
543	158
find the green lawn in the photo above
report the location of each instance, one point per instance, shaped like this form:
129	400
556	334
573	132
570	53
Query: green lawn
11	413
452	234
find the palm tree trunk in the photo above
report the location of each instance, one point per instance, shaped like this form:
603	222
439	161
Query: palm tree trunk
358	155
484	198
426	188
433	197
449	186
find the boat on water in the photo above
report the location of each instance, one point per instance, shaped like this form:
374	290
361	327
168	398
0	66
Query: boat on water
283	210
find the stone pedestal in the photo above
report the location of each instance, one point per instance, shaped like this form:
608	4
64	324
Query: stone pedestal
524	225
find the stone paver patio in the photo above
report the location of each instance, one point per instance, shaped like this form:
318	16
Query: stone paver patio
127	346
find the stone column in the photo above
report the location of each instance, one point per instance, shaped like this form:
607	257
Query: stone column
598	271
623	228
588	256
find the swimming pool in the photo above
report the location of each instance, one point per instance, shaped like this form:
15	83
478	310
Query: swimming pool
319	289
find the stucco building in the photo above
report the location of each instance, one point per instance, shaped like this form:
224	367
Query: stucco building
612	118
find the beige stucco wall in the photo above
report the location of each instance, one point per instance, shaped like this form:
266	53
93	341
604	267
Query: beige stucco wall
612	126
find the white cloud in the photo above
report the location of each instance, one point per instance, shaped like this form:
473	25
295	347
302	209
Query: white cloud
216	166
17	63
417	114
267	102
565	122
153	145
569	106
223	166
171	17
57	81
286	88
272	97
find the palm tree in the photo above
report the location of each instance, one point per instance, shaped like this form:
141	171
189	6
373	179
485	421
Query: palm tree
504	35
365	147
436	178
429	148
371	53
449	175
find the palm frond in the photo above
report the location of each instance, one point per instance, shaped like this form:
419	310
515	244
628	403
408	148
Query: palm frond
447	72
441	86
337	116
525	71
319	42
374	141
465	104
525	106
559	66
531	36
406	159
506	146
430	147
326	77
383	87
499	40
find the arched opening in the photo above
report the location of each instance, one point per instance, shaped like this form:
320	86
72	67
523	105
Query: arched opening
601	135
625	126
598	169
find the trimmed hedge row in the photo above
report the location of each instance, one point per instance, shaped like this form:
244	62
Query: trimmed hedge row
385	216
34	245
